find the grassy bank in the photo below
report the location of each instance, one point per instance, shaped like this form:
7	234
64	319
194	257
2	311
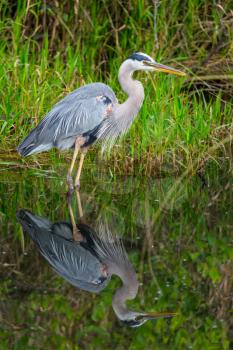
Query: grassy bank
49	49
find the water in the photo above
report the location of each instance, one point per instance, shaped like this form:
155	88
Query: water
178	236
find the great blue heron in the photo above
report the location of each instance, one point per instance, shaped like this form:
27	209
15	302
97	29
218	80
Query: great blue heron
92	113
89	263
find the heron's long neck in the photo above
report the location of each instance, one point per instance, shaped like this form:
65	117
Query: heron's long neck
133	89
127	291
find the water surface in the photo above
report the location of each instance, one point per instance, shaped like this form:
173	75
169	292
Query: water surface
178	235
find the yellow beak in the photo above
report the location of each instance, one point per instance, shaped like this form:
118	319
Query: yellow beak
162	68
154	315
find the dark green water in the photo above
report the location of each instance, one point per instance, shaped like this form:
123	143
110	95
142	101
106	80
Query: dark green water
178	235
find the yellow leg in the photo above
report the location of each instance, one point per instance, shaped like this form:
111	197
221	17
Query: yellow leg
80	209
77	237
69	174
77	179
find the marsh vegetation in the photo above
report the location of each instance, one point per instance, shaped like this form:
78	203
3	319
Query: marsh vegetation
166	188
49	48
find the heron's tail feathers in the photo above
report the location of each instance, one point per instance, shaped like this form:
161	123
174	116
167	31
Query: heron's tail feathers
31	223
30	145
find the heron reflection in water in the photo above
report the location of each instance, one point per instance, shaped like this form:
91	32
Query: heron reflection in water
88	261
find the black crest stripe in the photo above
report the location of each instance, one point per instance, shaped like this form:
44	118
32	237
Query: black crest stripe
138	57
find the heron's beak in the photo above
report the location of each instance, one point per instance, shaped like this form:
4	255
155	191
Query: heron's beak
156	315
162	68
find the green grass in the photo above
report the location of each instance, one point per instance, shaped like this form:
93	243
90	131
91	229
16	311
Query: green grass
47	52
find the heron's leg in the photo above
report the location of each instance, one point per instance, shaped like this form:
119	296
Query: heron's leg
77	179
80	209
69	174
77	237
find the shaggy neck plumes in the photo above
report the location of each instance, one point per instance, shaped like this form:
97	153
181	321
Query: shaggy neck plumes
124	113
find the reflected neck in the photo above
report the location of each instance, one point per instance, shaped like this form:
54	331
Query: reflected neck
126	292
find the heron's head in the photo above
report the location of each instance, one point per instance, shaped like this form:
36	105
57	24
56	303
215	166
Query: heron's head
136	319
141	61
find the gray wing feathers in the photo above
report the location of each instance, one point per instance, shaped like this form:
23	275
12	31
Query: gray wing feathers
77	113
74	263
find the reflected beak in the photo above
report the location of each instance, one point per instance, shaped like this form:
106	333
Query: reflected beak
162	68
156	315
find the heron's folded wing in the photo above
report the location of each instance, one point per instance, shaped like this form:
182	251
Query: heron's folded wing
79	112
73	262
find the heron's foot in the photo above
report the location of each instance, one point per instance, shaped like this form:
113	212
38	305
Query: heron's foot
77	237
